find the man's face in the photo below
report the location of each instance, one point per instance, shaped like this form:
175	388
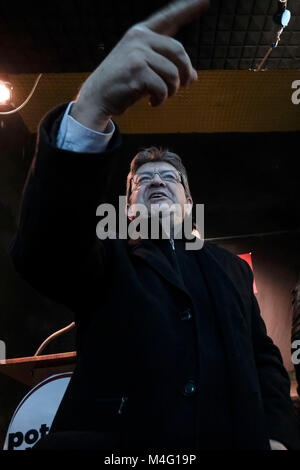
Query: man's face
158	193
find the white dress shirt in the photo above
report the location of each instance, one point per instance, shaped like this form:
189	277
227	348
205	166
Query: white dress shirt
75	137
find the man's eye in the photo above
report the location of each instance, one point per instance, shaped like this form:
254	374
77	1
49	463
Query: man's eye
144	179
170	177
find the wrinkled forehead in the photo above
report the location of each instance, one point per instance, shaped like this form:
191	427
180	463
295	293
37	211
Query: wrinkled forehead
155	166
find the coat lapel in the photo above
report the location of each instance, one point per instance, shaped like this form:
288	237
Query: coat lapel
228	302
152	255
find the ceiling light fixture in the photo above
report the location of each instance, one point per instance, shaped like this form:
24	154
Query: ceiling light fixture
281	19
282	16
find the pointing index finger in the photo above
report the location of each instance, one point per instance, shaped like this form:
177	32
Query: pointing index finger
169	19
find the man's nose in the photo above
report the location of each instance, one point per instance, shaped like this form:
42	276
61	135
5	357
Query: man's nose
157	180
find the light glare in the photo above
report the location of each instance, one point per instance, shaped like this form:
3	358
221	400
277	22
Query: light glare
4	93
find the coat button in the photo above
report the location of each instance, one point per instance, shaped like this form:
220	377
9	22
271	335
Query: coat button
186	315
189	388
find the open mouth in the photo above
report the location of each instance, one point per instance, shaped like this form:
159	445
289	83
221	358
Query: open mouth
157	197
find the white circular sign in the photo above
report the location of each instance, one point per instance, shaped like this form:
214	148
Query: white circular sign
35	414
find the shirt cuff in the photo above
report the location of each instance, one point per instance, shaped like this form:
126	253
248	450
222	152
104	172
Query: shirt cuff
75	137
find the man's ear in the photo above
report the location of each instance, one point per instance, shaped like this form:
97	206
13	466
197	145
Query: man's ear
188	206
130	217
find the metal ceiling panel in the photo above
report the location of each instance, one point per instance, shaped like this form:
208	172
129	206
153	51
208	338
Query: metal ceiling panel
75	35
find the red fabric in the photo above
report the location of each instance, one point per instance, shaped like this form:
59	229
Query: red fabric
247	257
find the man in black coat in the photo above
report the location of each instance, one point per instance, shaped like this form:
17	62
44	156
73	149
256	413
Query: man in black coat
172	350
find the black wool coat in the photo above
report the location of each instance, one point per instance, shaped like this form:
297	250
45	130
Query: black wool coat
172	349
